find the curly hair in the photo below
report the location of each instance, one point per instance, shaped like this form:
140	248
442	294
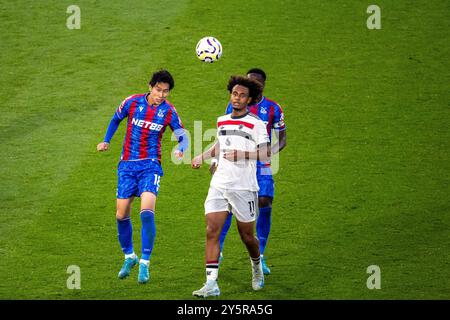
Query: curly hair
254	87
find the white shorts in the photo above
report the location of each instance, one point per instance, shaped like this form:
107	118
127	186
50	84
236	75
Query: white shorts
243	204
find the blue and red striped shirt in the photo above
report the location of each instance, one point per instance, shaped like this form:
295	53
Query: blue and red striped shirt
145	127
268	111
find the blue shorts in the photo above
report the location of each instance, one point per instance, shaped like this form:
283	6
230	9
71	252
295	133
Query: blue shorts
265	182
135	177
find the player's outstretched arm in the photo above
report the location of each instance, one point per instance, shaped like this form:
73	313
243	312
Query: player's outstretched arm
210	153
112	128
183	142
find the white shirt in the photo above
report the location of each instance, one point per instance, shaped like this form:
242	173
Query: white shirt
242	133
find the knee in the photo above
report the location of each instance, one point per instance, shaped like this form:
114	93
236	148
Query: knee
121	214
247	238
123	208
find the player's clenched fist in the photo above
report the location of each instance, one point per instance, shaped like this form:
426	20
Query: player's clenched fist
196	162
103	146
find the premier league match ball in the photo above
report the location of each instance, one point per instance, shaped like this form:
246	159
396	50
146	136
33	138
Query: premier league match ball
209	49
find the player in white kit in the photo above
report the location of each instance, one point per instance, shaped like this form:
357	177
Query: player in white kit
242	139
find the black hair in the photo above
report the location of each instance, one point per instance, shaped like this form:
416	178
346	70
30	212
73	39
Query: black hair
254	87
257	71
162	76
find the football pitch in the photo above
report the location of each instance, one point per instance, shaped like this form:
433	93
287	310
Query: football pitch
363	181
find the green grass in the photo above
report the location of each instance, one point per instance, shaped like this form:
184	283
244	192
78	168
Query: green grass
363	181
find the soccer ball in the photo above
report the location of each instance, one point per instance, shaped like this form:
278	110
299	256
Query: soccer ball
209	49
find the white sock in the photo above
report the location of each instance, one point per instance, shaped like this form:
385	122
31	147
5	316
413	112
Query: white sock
146	262
131	255
255	262
212	270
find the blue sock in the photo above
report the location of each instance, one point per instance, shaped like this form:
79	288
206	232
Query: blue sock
148	233
125	233
225	228
263	227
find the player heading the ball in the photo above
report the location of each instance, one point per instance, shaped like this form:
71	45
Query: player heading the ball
242	140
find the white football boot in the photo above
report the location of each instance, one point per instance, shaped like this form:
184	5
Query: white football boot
210	289
257	276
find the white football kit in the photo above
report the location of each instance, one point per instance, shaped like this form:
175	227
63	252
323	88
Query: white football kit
234	186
